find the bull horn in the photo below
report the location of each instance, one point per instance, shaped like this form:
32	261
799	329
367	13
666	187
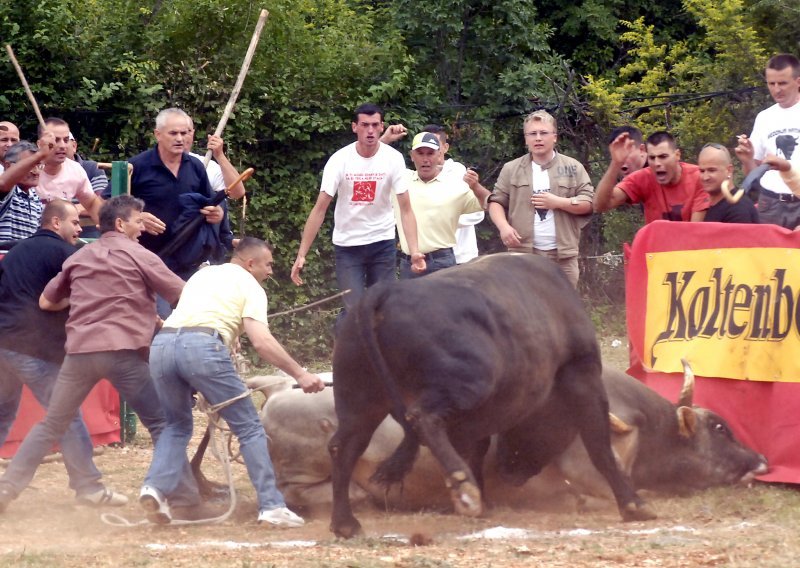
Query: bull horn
618	425
687	391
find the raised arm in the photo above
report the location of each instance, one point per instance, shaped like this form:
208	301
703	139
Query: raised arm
229	173
607	194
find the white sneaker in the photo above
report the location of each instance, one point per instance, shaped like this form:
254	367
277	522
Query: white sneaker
155	506
280	517
102	497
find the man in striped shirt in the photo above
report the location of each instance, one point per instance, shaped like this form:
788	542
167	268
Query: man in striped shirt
20	208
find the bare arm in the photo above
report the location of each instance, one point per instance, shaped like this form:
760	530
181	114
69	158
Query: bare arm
607	194
17	171
393	133
49	306
409	222
473	181
508	234
310	230
229	173
273	352
92	205
697	216
746	153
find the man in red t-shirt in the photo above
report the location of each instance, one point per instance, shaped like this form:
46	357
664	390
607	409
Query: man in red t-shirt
668	188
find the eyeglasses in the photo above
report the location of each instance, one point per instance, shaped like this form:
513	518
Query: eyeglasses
538	134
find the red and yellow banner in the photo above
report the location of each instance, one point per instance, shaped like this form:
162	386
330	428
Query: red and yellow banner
734	312
727	298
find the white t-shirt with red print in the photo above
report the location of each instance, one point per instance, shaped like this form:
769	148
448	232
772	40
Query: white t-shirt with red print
363	213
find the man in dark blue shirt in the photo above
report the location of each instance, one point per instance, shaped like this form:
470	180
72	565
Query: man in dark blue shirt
164	173
32	341
716	167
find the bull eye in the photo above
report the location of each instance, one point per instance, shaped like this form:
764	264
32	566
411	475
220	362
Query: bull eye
719	427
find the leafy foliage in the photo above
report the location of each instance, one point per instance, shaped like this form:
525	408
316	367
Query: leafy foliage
475	66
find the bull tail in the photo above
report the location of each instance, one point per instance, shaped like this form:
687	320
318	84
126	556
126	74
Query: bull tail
394	468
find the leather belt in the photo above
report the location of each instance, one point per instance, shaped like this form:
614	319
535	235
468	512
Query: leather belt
433	254
196	329
782	197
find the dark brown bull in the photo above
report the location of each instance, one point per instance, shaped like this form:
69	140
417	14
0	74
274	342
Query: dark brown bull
674	448
461	355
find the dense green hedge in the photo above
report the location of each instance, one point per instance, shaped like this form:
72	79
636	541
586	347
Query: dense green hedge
477	66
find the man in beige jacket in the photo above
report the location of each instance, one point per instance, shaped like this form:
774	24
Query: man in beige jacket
542	200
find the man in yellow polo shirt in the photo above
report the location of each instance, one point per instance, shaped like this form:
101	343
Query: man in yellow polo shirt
191	352
438	200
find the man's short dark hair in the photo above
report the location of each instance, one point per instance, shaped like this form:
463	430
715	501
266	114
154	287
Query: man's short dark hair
12	154
634	133
119	207
52	121
782	61
369	109
437	129
55	208
660	137
251	243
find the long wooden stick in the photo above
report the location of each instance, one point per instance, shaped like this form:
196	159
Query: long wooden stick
25	85
262	18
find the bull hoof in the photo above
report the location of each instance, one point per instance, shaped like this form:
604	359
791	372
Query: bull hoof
637	512
465	495
347	529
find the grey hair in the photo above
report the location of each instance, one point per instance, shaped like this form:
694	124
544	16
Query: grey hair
161	119
12	154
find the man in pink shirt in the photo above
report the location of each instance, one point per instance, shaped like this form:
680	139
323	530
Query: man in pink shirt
63	178
109	287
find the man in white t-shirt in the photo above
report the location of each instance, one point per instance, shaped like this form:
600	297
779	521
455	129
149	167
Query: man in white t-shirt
63	178
776	131
363	175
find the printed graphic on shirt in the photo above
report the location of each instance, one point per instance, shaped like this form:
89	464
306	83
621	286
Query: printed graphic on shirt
786	143
785	140
364	190
541	212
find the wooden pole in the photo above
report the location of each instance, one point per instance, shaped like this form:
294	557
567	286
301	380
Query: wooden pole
262	18
25	85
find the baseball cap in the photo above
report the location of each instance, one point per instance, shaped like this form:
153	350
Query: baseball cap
425	140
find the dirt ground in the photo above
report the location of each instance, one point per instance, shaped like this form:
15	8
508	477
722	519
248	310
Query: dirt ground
734	526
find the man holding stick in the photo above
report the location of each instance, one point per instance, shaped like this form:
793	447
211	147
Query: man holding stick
63	178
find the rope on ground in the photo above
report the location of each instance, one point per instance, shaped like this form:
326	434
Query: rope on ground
216	425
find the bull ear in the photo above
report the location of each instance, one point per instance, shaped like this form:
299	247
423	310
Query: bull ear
687	421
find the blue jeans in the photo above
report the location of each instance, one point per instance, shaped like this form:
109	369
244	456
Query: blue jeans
443	259
181	363
361	266
125	369
40	376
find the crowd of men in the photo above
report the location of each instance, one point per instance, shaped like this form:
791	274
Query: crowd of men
143	315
